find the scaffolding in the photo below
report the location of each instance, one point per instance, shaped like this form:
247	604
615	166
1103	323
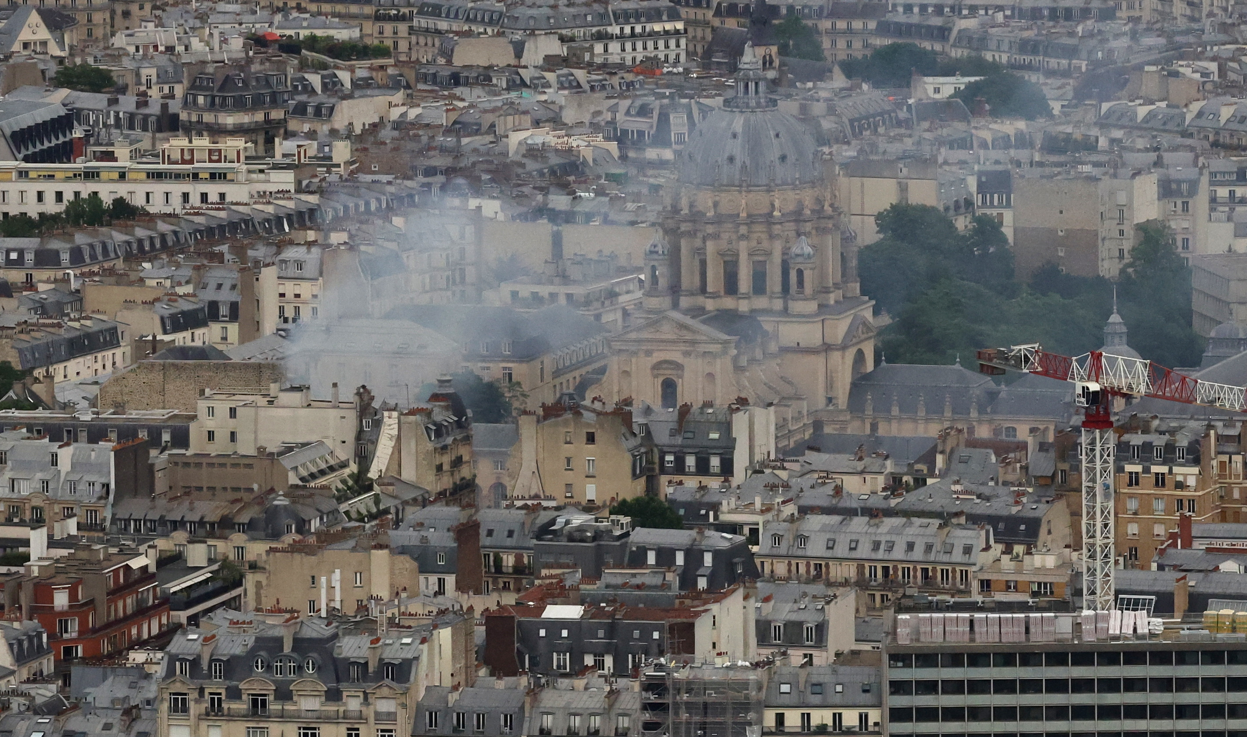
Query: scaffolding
702	701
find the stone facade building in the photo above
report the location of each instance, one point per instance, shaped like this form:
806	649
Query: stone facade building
749	290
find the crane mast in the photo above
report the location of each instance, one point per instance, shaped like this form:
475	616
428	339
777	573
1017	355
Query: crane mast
1098	378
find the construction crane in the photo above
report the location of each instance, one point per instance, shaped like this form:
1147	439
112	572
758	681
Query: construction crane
1098	378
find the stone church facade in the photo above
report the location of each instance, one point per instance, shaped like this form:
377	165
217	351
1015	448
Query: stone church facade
752	290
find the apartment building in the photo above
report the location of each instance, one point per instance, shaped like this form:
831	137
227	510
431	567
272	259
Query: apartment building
289	289
247	102
321	579
707	444
44	481
1158	481
429	445
882	556
279	673
550	633
65	350
802	624
168	320
174	183
229	294
580	454
244	423
823	699
93	602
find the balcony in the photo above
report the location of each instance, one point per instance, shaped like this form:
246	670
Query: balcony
385	716
326	713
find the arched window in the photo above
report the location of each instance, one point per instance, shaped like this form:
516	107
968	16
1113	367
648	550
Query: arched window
800	281
669	393
1011	433
653	277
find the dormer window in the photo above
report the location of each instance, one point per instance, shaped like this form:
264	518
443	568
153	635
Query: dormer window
259	664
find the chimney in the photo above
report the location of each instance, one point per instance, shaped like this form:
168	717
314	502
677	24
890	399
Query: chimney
335	394
1181	596
288	628
1184	532
374	654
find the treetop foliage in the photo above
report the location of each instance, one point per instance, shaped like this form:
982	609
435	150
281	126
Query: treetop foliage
952	293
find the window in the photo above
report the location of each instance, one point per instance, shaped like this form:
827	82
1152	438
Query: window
716	464
1158	530
776	540
211	436
1158	504
567	463
461	721
623	723
590	438
430	721
561	661
478	721
785	688
216	703
359	579
259	665
309	732
547	724
1132	479
777	632
1132	529
179	703
811	634
591	466
1158	480
211	411
508	723
217	670
1158	452
573	724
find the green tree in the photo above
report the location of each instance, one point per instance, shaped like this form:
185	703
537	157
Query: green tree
19	225
121	209
1007	96
89	210
649	511
798	40
9	375
953	293
1156	299
486	399
892	65
84	78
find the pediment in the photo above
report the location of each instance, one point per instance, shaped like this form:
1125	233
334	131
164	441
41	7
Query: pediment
672	327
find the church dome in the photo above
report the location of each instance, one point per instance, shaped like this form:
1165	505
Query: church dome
1228	331
657	248
749	142
802	250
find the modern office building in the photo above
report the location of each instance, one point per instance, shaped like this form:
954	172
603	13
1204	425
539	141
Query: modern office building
1056	673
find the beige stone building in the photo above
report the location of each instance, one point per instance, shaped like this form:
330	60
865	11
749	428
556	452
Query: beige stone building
429	445
244	423
247	674
317	578
867	187
749	290
579	454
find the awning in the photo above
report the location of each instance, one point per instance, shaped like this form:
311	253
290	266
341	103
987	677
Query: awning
191	581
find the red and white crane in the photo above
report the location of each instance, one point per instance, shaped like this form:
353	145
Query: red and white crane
1099	377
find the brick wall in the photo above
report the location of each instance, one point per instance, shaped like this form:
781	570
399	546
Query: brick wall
178	384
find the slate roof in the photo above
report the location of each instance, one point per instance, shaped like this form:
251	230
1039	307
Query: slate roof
874	539
491	437
825	687
910	387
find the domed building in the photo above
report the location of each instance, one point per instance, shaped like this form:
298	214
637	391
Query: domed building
750	289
